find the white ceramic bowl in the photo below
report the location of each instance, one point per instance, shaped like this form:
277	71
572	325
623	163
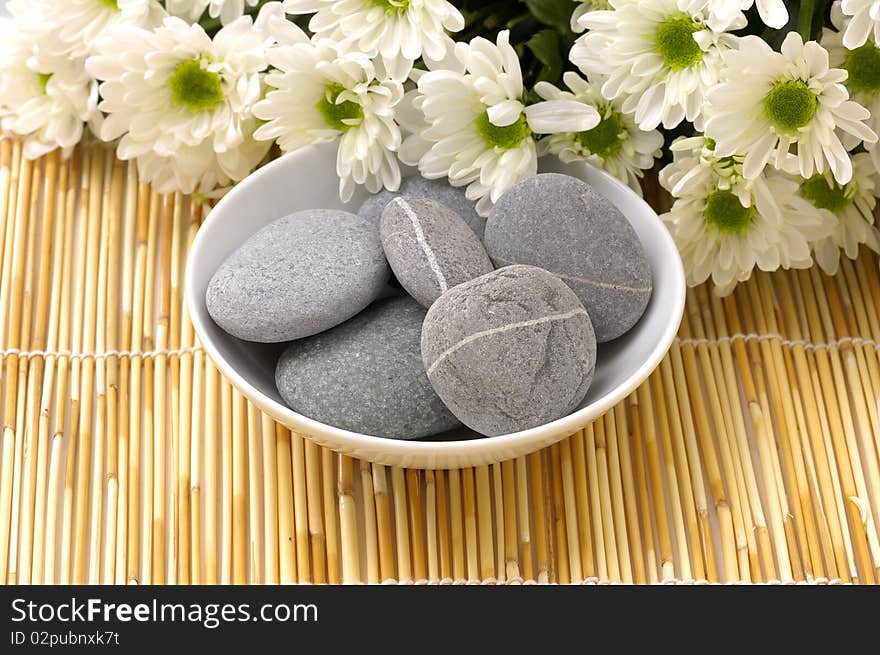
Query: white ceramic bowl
307	179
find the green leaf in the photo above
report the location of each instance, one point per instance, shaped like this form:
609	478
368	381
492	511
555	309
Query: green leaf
545	46
553	13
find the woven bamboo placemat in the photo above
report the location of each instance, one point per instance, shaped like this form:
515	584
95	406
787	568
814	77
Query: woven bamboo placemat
751	454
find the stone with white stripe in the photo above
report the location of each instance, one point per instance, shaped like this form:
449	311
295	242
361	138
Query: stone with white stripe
510	350
430	248
562	224
438	190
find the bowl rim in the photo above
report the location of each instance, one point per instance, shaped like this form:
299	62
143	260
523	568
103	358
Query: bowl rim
414	448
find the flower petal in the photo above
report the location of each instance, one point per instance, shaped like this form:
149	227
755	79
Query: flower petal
773	13
505	113
554	116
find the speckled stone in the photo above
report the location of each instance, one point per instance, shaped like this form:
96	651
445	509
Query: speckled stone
372	208
430	248
366	375
298	276
438	190
561	224
510	350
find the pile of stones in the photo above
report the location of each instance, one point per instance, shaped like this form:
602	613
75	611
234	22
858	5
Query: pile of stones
416	315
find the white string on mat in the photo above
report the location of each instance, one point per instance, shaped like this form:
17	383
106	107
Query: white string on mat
821	581
149	354
775	336
145	354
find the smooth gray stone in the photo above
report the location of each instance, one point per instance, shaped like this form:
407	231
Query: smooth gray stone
510	350
438	190
366	375
560	223
430	248
298	276
372	208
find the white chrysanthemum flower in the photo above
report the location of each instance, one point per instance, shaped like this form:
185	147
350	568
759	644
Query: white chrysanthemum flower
853	204
660	57
723	14
863	66
726	225
400	31
176	89
865	21
48	99
616	144
471	125
199	168
770	101
227	10
74	25
321	91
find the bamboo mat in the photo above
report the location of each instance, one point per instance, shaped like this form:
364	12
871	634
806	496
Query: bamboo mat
751	454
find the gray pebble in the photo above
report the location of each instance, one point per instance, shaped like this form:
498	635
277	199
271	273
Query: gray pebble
430	247
561	224
372	208
510	350
366	375
298	276
438	190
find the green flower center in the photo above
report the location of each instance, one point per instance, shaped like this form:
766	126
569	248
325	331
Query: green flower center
507	137
391	6
676	44
605	139
863	66
43	80
113	4
336	114
790	105
194	88
825	195
725	212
